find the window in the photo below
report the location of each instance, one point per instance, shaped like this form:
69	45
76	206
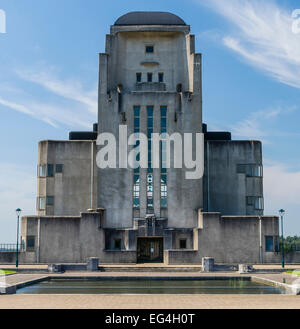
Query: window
50	170
149	191
149	77
160	77
30	242
59	168
149	49
163	177
50	201
139	77
269	243
136	191
250	170
136	175
163	191
117	244
41	203
256	202
182	243
42	171
150	110
259	203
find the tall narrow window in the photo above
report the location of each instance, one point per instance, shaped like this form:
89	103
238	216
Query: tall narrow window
163	177
149	77
42	170
160	77
136	175
139	77
150	169
41	203
149	191
149	135
50	170
163	190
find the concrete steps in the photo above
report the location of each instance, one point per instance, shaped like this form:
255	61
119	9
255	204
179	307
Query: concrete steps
149	268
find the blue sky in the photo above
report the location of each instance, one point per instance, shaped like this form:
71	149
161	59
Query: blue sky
49	73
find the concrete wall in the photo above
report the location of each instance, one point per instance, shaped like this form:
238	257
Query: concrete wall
228	239
75	189
225	190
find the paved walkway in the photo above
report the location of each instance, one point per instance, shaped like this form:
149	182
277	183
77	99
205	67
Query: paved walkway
149	302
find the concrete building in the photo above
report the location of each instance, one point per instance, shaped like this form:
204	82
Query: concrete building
150	80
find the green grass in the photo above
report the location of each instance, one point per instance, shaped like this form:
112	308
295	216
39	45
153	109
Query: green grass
8	272
293	272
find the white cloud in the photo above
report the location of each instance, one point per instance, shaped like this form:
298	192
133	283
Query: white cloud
262	36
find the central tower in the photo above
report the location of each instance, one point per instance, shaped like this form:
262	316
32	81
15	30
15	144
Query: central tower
150	81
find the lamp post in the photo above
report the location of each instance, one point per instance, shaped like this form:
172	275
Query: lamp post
281	213
18	211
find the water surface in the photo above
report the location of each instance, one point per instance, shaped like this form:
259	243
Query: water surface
149	286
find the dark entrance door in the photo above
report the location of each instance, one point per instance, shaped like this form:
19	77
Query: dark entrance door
150	250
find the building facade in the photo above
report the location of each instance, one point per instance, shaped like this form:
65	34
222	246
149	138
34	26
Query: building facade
150	81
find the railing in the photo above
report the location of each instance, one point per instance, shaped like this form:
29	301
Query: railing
4	247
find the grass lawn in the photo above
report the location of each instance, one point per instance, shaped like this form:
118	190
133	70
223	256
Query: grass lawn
8	272
293	272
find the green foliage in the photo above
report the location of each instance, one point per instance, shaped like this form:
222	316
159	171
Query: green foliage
291	243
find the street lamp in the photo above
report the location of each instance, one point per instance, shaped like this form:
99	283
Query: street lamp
18	212
281	213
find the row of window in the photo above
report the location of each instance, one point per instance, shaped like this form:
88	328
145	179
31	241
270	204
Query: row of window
118	244
136	177
149	77
271	243
250	170
47	170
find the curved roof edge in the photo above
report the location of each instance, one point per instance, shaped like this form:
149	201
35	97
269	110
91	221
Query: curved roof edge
149	18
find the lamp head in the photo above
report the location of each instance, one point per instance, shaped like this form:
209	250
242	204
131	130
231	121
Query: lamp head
18	211
281	212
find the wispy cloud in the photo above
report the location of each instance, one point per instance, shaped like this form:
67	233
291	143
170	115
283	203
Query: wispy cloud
257	124
73	106
262	36
68	88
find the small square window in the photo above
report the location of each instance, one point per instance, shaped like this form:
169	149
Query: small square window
59	168
160	77
117	244
149	49
149	77
182	243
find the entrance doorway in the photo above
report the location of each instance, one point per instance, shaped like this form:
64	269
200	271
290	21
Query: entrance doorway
150	250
